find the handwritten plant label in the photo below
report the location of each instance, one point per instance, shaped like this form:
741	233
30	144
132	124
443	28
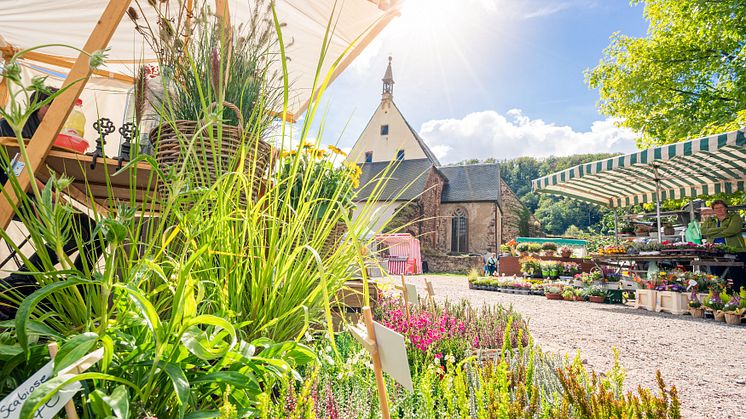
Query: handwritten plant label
10	406
393	353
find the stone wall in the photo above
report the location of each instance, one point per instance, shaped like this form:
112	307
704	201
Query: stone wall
430	204
439	263
483	224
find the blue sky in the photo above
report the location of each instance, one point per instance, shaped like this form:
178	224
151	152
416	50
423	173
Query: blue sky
490	78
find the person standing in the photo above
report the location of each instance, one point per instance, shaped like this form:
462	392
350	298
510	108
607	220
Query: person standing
724	227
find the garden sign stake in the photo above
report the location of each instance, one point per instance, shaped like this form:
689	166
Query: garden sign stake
430	292
367	338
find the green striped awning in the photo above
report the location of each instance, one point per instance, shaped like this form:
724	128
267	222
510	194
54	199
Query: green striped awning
702	166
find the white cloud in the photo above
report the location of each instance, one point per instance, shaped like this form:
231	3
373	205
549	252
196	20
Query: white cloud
490	134
363	62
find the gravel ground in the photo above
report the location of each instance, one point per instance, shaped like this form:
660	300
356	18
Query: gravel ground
704	359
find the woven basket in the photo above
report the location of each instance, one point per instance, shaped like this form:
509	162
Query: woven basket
171	141
333	239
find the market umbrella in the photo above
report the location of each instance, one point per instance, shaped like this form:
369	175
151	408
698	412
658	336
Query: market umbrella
702	166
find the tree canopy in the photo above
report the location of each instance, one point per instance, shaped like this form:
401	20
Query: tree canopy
686	78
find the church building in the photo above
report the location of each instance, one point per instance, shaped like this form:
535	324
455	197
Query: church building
455	209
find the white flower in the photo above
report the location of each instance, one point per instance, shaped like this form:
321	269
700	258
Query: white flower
437	361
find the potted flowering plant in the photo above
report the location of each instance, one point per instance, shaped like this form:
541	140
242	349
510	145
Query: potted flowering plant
553	292
522	248
568	293
531	267
534	248
695	306
565	251
579	294
733	310
714	303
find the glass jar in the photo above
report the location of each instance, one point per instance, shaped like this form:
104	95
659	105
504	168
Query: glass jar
75	124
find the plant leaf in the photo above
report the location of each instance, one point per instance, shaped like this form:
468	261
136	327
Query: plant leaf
181	385
28	304
74	349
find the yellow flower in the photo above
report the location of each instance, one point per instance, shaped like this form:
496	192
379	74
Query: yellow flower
337	150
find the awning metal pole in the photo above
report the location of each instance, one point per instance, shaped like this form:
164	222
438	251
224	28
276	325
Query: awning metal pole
616	227
658	208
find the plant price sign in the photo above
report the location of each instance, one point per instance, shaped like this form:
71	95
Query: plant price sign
10	406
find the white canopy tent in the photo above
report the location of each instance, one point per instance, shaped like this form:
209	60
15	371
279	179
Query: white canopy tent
29	23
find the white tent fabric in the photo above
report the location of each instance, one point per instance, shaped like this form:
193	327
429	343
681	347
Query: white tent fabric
28	23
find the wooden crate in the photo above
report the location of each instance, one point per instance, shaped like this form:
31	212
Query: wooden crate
645	299
672	302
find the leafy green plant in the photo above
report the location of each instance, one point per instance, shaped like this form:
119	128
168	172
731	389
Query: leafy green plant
548	246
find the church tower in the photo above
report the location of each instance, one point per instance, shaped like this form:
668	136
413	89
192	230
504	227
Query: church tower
388	84
388	136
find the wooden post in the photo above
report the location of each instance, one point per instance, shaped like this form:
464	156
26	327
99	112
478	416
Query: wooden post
430	292
55	118
377	368
69	406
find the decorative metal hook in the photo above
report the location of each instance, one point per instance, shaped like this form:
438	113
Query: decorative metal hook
104	127
128	131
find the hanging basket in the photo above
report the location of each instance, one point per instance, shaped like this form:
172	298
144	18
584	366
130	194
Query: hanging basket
172	141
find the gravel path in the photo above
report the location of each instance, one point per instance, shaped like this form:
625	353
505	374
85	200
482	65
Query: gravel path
704	359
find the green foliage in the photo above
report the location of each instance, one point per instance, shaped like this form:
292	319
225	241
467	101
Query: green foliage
686	78
555	214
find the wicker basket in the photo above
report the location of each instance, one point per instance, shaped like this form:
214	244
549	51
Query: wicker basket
171	141
333	239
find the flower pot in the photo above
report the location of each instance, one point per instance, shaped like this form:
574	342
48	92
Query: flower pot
471	286
697	313
566	255
672	302
553	296
579	298
733	318
646	299
596	298
719	316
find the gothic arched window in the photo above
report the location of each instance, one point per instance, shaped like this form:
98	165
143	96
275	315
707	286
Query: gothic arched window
459	231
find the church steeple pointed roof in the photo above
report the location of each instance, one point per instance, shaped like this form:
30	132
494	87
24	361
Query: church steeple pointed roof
388	83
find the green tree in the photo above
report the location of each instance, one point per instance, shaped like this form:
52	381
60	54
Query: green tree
686	78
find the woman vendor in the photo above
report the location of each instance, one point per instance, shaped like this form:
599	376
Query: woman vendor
725	227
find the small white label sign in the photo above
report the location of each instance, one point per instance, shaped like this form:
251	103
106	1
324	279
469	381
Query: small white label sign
412	294
393	353
10	406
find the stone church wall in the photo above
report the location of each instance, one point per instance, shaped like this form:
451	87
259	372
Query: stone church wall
483	224
430	204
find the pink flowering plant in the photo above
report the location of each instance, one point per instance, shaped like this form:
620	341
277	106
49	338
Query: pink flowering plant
451	329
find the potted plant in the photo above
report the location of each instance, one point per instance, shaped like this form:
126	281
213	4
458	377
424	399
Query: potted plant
472	277
531	267
534	248
568	293
549	248
552	292
695	306
212	103
565	251
505	249
596	294
733	310
522	248
579	294
714	304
